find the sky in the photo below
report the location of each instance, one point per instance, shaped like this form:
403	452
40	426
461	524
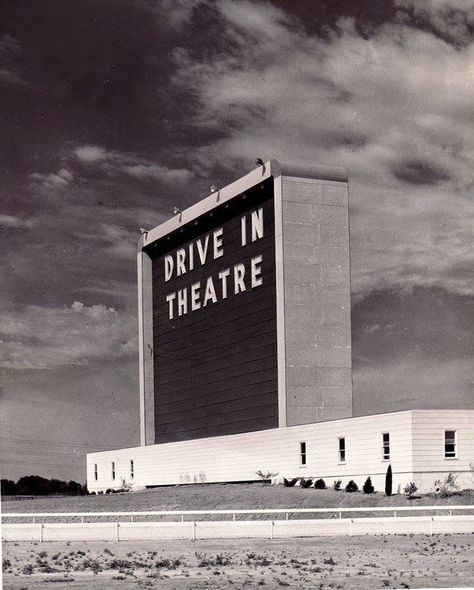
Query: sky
112	112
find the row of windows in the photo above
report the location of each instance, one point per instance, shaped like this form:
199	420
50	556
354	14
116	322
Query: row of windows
450	447
112	466
450	452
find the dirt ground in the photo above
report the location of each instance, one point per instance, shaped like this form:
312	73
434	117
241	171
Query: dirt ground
413	561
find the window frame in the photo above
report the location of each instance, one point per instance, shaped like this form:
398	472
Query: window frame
386	445
341	452
113	470
303	454
96	472
454	444
132	469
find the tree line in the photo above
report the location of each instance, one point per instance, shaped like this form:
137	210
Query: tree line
35	485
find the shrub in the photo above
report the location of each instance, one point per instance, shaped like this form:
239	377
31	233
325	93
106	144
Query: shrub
320	484
352	487
368	487
448	486
306	483
388	481
410	489
336	484
108	491
289	483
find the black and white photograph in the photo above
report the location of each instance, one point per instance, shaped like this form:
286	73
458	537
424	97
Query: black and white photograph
237	301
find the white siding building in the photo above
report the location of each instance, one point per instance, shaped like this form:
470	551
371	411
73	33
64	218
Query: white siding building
416	443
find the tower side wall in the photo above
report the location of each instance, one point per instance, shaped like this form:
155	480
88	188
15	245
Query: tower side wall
317	300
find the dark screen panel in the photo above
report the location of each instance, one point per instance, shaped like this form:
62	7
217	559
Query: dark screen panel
215	368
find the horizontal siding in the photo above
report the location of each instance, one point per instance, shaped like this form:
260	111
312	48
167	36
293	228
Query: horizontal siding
428	440
238	457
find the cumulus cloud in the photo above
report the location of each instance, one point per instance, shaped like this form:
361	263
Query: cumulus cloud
46	338
393	107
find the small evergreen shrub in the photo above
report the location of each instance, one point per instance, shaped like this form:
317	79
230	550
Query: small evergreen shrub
289	483
368	487
336	485
306	483
388	481
410	489
320	484
352	487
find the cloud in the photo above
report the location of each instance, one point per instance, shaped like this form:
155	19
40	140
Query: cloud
15	222
91	154
11	56
119	163
52	182
393	107
47	338
453	19
412	348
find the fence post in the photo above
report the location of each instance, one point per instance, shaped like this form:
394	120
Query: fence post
395	513
350	527
182	517
194	530
271	529
131	517
287	516
340	514
34	520
450	513
117	531
41	532
82	519
233	517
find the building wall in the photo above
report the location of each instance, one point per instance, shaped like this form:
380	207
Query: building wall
429	463
277	450
317	300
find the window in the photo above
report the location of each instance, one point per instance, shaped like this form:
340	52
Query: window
96	472
450	451
302	454
113	470
132	469
385	446
342	449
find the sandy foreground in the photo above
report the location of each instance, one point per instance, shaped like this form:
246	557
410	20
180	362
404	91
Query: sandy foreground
413	561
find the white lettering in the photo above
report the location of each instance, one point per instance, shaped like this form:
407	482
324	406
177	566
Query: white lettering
191	256
170	298
169	263
202	250
223	277
210	292
243	230
239	273
182	302
218	248
256	271
257	224
180	258
195	303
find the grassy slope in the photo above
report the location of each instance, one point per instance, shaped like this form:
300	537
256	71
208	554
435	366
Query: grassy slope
235	496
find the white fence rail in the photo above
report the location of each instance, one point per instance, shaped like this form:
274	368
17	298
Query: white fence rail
181	515
232	527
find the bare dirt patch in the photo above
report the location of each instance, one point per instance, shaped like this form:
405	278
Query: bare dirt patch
341	563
